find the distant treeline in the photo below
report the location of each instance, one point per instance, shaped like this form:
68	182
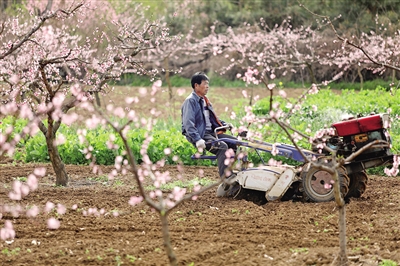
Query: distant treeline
198	18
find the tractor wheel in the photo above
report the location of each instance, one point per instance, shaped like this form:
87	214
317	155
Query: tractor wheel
358	184
318	184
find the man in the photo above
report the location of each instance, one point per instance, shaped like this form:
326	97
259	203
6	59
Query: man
199	122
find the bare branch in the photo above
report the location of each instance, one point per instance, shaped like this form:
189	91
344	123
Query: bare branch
346	41
2	27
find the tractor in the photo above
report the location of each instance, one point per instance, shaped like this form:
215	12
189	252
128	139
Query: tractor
307	181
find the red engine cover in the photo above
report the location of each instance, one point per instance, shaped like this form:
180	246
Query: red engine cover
358	125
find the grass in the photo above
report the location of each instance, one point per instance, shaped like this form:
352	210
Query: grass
21	179
388	263
11	252
100	179
299	250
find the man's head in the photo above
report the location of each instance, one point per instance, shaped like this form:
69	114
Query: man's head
198	77
200	83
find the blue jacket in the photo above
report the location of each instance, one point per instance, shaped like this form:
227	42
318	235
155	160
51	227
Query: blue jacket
193	120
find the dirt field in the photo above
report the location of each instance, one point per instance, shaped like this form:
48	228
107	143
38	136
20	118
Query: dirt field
208	231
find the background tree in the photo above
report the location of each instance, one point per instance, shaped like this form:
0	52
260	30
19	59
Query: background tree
42	68
233	14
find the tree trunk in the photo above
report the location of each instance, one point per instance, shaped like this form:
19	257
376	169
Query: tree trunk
96	95
361	77
166	67
393	76
342	236
55	158
343	260
311	72
251	96
167	240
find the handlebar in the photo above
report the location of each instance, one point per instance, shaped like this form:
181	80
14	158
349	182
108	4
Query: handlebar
219	128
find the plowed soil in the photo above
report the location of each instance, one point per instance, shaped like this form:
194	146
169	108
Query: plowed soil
207	231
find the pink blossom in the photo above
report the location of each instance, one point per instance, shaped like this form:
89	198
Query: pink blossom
129	100
93	211
180	92
17	186
314	89
60	139
39	172
167	151
24	190
58	100
135	200
49	206
33	211
395	167
152	194
61	209
274	162
26	112
143	91
93	122
119	112
15	195
274	150
156	85
14	79
53	223
201	172
69	119
282	93
196	187
178	193
7	232
32	182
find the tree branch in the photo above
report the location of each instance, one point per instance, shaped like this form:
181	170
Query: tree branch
42	20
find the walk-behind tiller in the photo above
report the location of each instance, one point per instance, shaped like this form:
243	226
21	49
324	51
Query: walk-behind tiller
268	183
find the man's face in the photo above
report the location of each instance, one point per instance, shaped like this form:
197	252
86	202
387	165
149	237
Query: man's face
201	89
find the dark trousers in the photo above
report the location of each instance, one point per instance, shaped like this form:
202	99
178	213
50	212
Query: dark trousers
219	148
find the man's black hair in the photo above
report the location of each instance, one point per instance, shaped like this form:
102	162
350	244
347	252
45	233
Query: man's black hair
198	77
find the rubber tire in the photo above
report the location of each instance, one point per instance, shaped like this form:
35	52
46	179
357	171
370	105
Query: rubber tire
358	184
314	196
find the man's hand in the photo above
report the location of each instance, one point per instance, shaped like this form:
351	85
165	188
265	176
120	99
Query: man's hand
201	144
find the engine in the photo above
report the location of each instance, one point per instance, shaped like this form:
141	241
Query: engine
355	133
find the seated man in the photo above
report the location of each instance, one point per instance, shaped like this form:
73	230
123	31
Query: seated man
199	122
